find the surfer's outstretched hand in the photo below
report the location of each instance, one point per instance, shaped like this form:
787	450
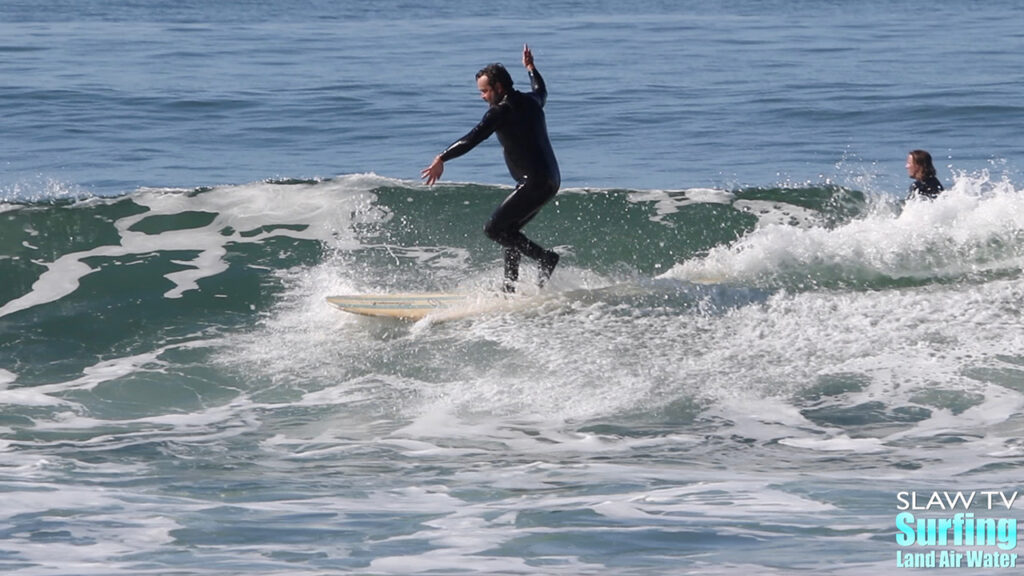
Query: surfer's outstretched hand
433	172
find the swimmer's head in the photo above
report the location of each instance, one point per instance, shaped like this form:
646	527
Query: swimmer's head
919	165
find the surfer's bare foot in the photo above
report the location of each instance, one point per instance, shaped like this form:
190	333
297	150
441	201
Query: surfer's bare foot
547	266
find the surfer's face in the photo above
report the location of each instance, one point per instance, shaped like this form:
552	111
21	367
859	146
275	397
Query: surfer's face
491	94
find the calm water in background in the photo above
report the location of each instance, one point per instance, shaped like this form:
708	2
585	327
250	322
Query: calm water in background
750	348
112	96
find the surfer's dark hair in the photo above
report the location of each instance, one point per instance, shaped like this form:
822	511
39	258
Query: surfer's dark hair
923	159
496	74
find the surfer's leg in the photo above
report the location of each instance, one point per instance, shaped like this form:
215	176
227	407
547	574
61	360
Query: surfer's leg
512	256
547	266
506	223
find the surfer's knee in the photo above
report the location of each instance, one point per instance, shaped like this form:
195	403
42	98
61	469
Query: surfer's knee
497	231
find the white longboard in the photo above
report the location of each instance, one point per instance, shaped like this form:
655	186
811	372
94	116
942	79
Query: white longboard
450	306
415	306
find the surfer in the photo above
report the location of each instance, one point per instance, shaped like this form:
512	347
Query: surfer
921	169
518	119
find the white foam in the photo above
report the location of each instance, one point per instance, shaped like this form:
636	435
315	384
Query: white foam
841	443
29	397
777	214
6	378
37	189
87	545
975	226
667	202
106	371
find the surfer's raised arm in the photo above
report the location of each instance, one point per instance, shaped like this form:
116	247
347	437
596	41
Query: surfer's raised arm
528	58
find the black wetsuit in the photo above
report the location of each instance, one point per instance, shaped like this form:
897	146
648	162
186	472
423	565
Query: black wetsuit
519	122
929	188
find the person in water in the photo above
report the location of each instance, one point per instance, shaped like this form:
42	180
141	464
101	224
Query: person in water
518	119
921	169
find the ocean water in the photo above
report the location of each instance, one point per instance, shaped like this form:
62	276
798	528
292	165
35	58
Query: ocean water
752	356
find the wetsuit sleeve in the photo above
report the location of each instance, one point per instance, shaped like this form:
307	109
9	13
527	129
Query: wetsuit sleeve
482	131
540	90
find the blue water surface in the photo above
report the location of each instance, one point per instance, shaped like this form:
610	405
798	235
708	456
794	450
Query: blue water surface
108	97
